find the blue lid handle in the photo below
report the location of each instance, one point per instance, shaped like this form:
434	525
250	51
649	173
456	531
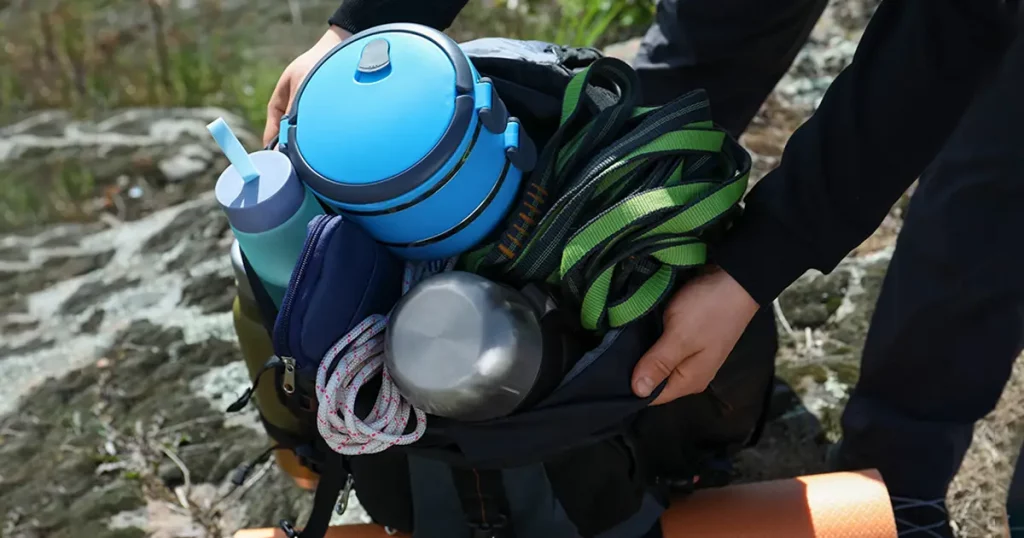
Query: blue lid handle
489	106
282	136
482	94
233	149
519	147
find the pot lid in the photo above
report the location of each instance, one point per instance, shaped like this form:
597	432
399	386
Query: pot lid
380	103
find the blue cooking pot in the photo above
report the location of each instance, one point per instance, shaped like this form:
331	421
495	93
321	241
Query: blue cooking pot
397	130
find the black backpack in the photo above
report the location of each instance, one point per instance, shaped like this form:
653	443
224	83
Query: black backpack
591	459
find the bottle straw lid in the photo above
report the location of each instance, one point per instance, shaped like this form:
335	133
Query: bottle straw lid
233	149
259	191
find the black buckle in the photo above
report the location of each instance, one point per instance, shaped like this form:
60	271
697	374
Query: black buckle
288	529
679	486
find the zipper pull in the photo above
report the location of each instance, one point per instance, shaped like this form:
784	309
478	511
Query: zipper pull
243	400
343	499
289	375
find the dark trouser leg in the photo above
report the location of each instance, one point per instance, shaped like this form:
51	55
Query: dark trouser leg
737	50
950	320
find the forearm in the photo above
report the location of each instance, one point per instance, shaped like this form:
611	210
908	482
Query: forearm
881	122
358	15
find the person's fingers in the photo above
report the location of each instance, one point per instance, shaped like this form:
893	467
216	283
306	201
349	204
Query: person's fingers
296	84
660	361
277	106
691	376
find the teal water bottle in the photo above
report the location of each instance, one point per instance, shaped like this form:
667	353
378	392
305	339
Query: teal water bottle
267	206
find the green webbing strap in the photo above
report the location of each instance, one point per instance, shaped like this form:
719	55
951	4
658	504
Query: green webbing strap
594	122
620	198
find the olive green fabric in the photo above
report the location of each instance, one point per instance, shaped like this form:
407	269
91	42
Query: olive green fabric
256	349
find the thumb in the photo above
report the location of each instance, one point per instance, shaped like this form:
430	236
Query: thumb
277	106
657	364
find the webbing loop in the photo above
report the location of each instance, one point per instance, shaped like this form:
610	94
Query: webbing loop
620	200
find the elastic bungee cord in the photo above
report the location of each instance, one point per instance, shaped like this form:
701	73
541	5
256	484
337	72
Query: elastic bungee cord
339	380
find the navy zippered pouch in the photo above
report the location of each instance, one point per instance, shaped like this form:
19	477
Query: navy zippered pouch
342	277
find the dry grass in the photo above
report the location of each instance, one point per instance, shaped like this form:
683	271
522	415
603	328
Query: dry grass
977	498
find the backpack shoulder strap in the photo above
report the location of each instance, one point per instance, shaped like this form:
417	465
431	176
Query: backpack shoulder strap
484	503
335	480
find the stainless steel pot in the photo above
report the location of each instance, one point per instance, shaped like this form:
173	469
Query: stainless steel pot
464	347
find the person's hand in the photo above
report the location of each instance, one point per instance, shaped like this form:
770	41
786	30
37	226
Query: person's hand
292	77
703	322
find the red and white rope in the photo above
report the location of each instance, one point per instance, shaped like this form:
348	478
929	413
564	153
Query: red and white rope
362	358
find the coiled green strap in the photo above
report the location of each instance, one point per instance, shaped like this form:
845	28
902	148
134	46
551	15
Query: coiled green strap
621	200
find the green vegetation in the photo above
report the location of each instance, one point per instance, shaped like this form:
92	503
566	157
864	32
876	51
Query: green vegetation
34	191
89	57
590	22
584	23
94	55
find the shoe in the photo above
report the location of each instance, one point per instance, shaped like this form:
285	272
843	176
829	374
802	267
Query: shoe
917	518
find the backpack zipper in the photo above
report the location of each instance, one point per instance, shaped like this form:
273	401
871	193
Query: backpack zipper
283	325
243	400
288	384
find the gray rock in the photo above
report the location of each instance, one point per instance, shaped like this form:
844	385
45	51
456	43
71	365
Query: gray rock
812	301
101	503
211	293
188	163
17	280
94	321
125	165
92	293
817	366
13	254
31	346
12	325
829	49
830	315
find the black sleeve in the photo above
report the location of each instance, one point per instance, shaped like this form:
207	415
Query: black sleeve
358	15
884	118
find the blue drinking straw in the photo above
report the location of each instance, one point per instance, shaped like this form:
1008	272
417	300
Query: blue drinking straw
233	149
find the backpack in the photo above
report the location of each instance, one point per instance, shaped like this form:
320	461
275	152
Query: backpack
589	459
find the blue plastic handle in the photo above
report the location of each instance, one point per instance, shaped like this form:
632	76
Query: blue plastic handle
233	149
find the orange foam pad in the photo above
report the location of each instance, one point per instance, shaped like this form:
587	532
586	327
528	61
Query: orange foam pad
346	531
289	463
835	505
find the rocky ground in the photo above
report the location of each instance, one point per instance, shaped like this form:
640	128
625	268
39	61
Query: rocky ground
117	355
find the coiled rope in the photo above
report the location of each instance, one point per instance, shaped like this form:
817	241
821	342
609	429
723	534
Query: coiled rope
622	201
339	380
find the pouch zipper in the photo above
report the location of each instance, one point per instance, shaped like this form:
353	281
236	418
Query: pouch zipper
288	384
243	400
283	326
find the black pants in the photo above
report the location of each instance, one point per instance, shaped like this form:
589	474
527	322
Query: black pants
950	319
